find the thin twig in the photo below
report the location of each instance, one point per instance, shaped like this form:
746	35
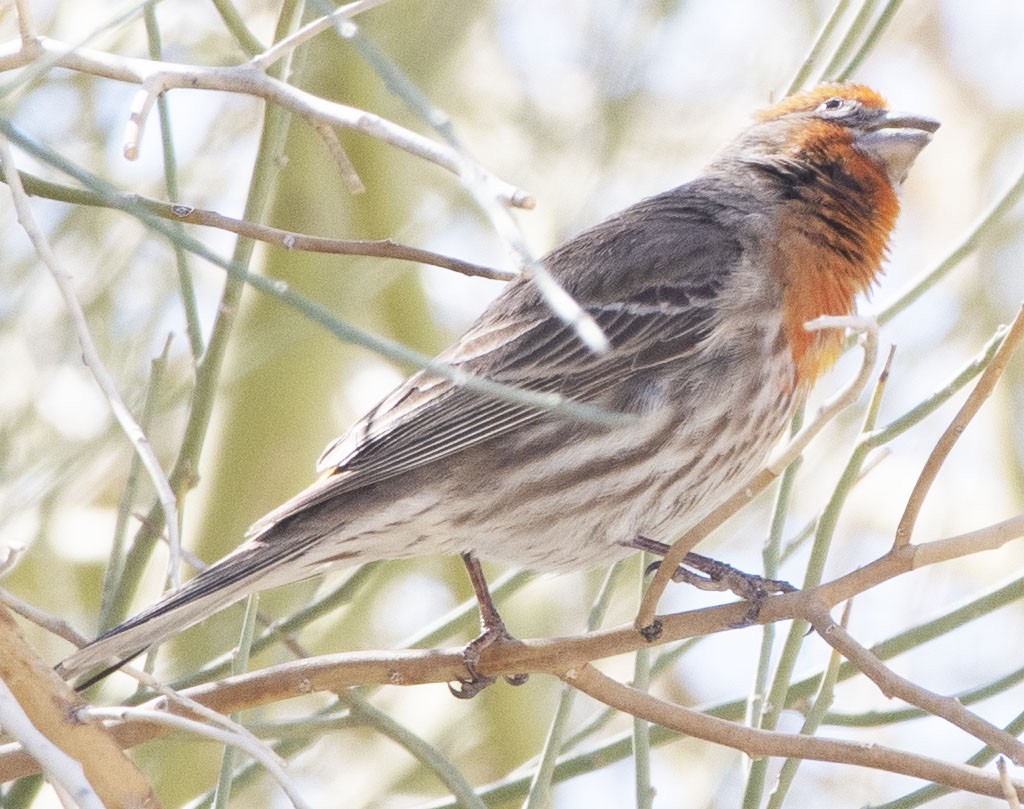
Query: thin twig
26	30
757	743
1012	799
156	77
956	428
92	359
258	750
60	769
337	17
380	248
346	169
892	685
490	193
55	626
48	703
177	212
553	402
549	655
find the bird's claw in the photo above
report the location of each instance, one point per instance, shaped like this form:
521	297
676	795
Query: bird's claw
468	687
719	576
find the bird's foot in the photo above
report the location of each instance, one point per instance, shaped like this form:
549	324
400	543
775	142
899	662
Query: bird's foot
476	681
492	631
718	577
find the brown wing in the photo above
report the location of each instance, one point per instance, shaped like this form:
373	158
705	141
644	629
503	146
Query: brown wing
674	272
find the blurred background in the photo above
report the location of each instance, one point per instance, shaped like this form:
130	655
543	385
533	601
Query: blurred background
589	106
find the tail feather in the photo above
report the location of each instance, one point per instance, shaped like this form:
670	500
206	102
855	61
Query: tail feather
173	614
252	567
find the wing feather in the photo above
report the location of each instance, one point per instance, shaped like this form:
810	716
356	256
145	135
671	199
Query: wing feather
679	258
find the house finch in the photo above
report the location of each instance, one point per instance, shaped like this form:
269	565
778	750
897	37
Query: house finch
703	292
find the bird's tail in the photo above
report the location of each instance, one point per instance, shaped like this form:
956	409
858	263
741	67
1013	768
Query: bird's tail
250	568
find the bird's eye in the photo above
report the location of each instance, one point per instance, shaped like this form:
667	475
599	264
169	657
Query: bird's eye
838	106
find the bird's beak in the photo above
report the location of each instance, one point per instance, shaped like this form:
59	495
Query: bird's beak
894	139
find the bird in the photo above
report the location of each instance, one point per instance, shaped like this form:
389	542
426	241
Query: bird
702	292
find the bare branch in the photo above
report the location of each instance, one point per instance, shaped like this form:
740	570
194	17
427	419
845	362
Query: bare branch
92	359
254	748
757	743
25	27
34	700
335	19
892	685
555	656
981	392
290	240
1012	800
55	626
156	77
60	769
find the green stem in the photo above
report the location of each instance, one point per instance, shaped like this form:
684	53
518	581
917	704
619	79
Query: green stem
539	793
995	213
188	293
814	54
115	561
846	45
641	727
871	40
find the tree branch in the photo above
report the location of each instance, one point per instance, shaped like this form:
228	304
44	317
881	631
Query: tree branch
554	656
757	743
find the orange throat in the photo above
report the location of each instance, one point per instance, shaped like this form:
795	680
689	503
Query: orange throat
822	277
830	250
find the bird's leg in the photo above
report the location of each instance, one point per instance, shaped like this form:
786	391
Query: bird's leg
718	576
492	630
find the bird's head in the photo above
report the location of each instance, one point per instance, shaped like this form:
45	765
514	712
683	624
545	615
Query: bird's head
839	115
824	166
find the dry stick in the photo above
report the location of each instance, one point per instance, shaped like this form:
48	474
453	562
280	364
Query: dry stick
756	743
255	748
25	27
545	656
336	18
645	621
93	361
913	557
1004	779
63	772
892	685
48	703
380	248
383	248
490	193
982	390
156	77
340	157
53	625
